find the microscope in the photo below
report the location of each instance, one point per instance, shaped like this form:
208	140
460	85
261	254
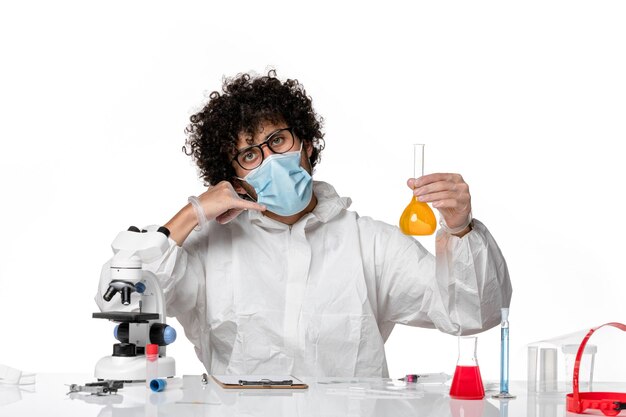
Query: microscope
141	325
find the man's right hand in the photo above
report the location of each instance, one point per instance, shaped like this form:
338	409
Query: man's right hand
222	203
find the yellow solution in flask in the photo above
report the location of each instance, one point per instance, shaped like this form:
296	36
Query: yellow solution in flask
418	219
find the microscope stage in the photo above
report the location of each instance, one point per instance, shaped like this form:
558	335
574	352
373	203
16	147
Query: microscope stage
126	316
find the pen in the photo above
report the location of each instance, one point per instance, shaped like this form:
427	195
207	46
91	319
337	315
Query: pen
266	382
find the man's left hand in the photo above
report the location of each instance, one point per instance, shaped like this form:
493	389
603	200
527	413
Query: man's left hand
448	193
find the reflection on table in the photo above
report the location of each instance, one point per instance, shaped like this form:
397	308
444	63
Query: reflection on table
325	397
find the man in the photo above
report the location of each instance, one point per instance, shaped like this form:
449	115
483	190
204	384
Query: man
270	273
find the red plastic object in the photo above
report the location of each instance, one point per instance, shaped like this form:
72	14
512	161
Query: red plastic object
152	349
609	403
467	383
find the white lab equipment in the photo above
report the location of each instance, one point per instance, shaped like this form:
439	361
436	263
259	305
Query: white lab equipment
13	376
587	364
12	383
141	323
550	363
548	373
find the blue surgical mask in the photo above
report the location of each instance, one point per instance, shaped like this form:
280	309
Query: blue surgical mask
281	184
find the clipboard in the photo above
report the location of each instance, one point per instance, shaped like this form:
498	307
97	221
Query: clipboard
259	382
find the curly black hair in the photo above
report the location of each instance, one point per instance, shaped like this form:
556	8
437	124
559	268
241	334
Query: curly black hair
245	103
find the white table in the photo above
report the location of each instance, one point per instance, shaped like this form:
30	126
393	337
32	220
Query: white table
345	398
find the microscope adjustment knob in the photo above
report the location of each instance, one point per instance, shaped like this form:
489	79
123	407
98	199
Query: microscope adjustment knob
121	332
169	335
140	287
162	334
124	349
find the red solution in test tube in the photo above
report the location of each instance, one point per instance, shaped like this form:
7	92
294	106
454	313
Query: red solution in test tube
467	383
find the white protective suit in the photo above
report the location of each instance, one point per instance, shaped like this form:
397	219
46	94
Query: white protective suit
320	297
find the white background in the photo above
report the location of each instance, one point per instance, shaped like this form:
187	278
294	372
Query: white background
525	99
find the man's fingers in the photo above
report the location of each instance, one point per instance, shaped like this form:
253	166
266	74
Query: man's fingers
436	196
448	203
238	206
249	205
433	188
432	178
228	215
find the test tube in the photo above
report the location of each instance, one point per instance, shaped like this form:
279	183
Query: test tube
504	357
152	358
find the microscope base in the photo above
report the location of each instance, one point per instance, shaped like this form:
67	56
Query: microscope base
132	368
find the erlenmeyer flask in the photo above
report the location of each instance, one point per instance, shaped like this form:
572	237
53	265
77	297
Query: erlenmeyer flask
467	383
418	218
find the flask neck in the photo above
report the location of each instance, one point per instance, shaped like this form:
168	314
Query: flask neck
467	351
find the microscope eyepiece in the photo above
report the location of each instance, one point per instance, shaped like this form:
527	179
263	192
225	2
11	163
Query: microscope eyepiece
111	291
125	288
125	293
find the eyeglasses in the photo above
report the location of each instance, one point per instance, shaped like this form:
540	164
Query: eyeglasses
279	141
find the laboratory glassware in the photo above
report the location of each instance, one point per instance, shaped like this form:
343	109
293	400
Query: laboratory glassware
504	357
551	362
467	383
152	365
586	364
418	218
